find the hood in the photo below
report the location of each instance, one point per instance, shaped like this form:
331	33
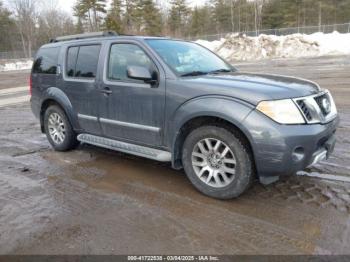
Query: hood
254	88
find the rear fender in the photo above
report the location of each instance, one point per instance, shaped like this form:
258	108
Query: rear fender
58	96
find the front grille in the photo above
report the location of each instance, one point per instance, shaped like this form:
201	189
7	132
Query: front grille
319	108
305	110
319	100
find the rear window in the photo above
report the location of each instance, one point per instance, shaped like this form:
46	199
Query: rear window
46	61
82	61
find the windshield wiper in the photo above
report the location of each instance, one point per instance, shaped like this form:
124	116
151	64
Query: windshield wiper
223	70
198	73
195	73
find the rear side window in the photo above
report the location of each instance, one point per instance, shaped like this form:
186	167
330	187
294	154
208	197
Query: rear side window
82	61
46	61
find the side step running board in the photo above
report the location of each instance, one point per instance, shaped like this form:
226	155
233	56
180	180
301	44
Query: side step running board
137	150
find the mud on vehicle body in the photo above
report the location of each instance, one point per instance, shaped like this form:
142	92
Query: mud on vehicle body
176	101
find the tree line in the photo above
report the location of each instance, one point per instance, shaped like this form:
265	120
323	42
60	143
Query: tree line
27	24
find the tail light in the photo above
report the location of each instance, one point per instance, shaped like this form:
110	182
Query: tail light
30	85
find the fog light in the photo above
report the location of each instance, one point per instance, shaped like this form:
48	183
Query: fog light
298	154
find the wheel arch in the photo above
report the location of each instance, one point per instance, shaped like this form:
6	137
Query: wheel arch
198	121
55	96
225	111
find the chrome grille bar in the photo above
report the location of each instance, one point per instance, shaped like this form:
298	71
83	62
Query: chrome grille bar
311	108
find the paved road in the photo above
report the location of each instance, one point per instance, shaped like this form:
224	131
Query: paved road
11	79
13	96
95	201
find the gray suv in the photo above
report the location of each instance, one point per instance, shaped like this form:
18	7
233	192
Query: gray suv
176	101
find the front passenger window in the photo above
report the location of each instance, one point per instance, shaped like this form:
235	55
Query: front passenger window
124	55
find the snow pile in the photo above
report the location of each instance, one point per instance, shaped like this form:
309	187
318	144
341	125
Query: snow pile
241	47
211	45
10	65
332	44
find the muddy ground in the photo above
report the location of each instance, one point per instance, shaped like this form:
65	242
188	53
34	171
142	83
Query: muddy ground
95	201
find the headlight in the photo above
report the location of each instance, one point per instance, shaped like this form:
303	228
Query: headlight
282	111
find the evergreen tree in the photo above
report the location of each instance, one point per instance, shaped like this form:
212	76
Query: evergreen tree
114	17
275	12
7	29
132	16
90	12
151	16
222	15
217	16
79	27
196	22
201	21
178	17
299	13
344	11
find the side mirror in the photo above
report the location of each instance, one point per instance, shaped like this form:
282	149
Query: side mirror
139	73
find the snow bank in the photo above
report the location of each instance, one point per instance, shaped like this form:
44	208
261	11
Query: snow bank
10	65
334	43
211	45
242	48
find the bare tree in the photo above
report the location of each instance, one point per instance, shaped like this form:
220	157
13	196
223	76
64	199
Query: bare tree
232	6
26	14
54	22
258	8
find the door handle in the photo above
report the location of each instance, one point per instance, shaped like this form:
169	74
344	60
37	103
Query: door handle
106	91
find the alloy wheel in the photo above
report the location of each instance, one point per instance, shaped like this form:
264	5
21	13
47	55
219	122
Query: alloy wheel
214	162
56	128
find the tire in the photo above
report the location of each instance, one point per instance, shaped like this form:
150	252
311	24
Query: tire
224	177
60	143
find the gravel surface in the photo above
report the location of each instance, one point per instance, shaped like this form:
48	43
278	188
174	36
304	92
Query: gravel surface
95	201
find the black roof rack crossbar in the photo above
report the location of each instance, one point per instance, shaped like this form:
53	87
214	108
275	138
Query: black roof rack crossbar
83	36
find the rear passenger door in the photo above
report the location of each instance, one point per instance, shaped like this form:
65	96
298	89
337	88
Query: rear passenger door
132	110
80	84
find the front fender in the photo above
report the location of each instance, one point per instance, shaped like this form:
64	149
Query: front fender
226	108
57	95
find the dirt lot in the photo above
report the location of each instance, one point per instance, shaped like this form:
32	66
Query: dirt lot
95	201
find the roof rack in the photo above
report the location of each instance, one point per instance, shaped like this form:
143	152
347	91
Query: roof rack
83	36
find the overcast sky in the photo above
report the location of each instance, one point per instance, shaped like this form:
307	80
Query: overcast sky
67	5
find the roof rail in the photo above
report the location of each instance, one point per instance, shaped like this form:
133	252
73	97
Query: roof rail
83	36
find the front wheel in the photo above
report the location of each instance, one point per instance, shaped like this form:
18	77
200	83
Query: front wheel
217	162
58	129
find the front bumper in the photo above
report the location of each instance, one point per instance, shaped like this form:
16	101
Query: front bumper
324	152
285	149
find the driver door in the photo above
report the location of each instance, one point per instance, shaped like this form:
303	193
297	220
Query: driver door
129	109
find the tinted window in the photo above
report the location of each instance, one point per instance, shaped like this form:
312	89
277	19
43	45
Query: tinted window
124	55
71	60
86	65
46	61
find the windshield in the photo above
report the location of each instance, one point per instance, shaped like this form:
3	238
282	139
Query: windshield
187	58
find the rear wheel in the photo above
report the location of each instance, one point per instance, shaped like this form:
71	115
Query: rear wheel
217	162
58	129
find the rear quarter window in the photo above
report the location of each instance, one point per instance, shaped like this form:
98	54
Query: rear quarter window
46	61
